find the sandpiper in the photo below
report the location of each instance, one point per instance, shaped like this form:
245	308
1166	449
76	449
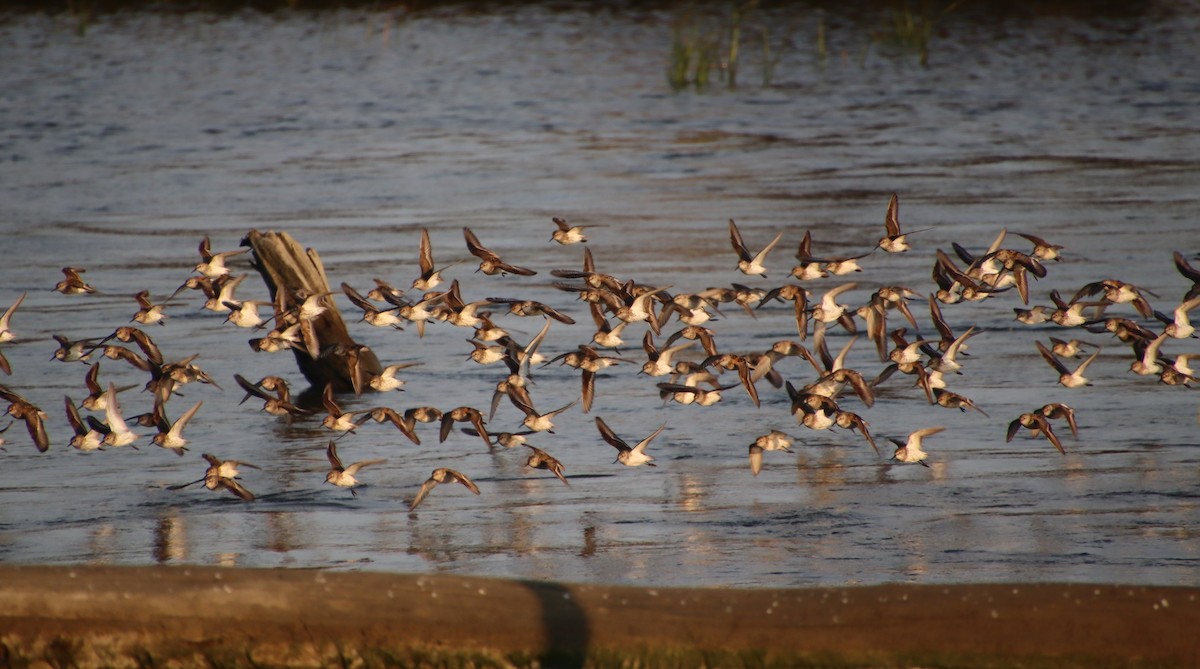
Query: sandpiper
750	264
566	233
626	455
539	459
1035	422
895	241
431	276
952	400
343	476
464	414
212	265
489	262
148	312
442	475
72	283
118	433
1066	377
34	418
910	451
6	332
1057	410
170	435
86	438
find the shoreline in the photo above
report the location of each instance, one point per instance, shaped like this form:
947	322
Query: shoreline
86	616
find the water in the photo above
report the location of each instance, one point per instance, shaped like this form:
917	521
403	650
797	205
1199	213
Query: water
122	148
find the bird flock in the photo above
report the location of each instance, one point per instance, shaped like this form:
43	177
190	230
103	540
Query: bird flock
681	348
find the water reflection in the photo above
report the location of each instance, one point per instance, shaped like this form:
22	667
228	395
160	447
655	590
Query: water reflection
170	538
421	129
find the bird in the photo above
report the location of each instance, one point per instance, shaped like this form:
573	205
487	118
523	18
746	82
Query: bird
72	283
952	400
386	380
1035	422
774	440
1066	377
34	418
489	262
910	450
212	265
170	435
464	414
86	438
148	312
750	264
626	455
895	241
6	332
539	459
538	422
442	475
567	234
390	415
431	276
118	433
343	476
221	475
1057	410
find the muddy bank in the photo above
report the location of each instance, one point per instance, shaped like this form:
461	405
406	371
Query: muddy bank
197	616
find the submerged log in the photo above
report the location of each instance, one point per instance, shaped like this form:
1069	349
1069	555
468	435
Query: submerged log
326	354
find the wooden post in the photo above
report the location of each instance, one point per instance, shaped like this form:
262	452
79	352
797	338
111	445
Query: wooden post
293	274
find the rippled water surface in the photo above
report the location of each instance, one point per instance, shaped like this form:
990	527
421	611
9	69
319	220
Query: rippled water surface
121	148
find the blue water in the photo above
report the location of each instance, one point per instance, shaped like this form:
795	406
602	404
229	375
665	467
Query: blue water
121	148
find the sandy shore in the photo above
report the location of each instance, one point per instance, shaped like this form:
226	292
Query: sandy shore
196	616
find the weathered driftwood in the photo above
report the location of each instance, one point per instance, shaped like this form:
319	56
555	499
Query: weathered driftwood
328	354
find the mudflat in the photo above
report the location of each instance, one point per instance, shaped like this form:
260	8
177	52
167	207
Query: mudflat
86	616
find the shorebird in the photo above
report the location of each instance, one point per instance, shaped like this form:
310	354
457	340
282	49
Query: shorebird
34	418
431	276
464	414
1177	325
222	293
955	401
626	455
86	438
72	283
1148	362
118	433
910	451
170	435
336	419
855	423
387	414
6	332
212	265
829	311
343	476
535	421
73	351
895	241
386	380
1035	422
442	475
489	262
1057	410
221	474
1042	249
148	312
539	459
380	318
566	233
1066	377
750	264
659	363
772	441
279	404
1118	292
